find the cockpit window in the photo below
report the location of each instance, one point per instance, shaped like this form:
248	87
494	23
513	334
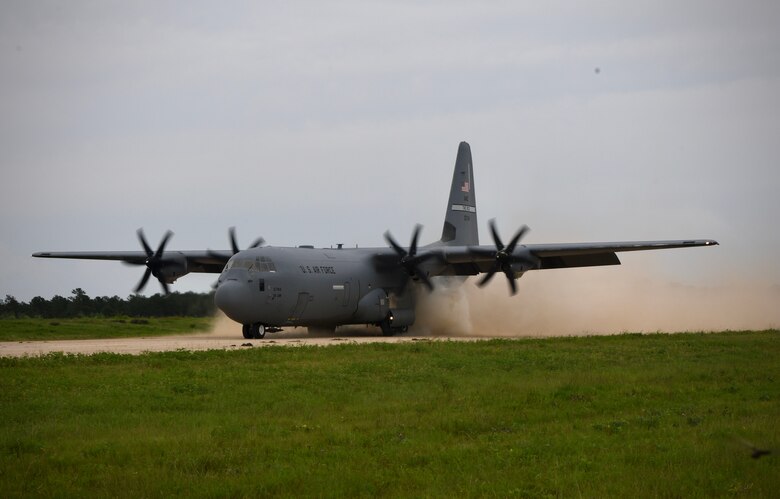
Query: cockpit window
238	263
264	264
259	264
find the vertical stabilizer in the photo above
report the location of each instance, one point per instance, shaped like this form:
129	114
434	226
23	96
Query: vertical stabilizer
460	221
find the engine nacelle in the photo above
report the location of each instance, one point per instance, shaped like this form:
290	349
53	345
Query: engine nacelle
520	268
172	268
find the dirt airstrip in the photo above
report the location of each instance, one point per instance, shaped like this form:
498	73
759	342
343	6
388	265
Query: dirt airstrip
205	341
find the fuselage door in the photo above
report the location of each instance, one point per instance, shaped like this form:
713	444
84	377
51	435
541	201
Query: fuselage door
345	298
342	293
300	306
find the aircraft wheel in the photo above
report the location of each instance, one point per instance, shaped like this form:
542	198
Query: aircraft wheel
258	331
246	329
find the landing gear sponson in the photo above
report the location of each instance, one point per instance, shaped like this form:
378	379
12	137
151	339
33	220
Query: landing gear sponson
388	330
257	331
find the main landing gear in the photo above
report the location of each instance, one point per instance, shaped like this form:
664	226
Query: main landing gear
388	330
254	331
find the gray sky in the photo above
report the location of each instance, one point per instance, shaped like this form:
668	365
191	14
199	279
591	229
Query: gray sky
330	122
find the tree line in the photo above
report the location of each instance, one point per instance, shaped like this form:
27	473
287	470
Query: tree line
79	304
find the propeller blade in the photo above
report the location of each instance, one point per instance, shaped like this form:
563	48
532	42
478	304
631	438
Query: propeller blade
487	278
397	247
145	245
133	264
519	235
494	232
512	284
409	260
142	282
161	248
232	237
164	286
503	256
415	236
234	241
418	259
153	261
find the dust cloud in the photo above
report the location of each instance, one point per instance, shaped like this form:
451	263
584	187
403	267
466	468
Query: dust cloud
574	302
223	327
595	301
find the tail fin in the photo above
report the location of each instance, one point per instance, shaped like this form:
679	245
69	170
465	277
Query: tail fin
460	221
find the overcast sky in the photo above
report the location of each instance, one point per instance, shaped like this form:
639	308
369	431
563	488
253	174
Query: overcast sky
331	122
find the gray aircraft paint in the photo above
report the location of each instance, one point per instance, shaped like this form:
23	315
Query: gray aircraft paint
266	288
460	223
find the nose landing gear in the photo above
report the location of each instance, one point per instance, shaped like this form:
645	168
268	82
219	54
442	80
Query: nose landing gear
253	331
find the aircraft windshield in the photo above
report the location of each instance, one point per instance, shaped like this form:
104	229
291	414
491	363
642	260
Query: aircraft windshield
259	264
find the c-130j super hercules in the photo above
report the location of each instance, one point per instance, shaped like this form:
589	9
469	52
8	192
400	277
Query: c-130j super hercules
266	288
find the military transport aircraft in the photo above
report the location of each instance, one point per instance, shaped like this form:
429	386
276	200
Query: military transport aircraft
265	288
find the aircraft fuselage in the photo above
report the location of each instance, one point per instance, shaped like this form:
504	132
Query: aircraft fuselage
279	287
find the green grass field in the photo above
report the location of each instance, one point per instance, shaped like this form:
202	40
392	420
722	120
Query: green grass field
628	415
92	328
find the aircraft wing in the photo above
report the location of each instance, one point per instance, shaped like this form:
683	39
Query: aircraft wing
194	261
556	256
472	260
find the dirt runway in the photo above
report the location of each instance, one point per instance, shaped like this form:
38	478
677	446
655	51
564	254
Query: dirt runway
205	341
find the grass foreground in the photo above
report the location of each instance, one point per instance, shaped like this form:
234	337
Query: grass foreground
98	327
627	415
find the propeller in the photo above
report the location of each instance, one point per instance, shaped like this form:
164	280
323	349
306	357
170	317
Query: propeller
410	260
234	245
154	261
503	256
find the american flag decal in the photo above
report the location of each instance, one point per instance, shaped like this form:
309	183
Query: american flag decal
465	187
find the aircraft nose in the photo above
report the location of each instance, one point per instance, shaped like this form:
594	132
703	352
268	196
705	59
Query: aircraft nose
230	297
